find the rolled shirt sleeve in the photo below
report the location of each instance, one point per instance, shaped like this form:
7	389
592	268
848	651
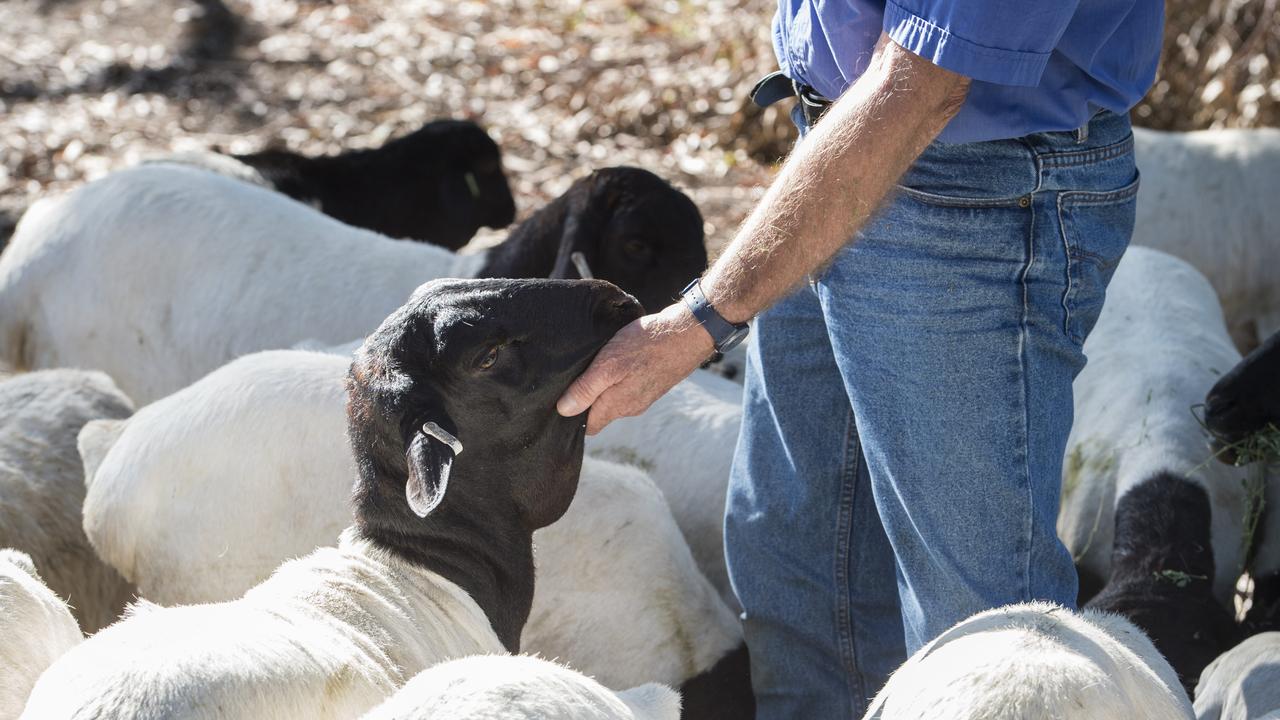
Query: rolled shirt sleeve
1007	42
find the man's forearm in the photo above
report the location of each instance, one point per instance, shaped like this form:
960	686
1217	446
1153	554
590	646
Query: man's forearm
835	179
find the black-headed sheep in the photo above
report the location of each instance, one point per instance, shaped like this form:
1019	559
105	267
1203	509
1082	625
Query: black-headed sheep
460	456
439	184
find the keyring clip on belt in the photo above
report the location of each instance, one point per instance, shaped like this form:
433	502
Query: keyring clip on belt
776	86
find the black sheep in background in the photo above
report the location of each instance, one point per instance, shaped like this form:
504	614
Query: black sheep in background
438	184
1246	399
630	226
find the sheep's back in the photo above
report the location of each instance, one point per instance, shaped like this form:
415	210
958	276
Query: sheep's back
161	273
685	442
206	491
1207	197
1034	660
622	564
328	635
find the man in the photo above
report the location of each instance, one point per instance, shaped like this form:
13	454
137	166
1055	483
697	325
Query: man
908	392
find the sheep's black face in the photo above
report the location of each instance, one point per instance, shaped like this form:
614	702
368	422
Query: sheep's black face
636	231
482	362
1162	571
1247	398
438	184
455	177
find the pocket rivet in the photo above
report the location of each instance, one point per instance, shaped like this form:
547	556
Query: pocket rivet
1024	201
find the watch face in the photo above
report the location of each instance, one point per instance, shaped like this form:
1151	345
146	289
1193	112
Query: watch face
737	336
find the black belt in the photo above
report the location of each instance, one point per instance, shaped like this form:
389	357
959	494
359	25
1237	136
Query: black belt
775	86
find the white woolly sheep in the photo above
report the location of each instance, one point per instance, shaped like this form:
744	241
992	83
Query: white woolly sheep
1034	660
516	687
1208	197
263	434
160	273
1158	346
42	485
35	626
1243	683
620	598
327	636
439	563
686	441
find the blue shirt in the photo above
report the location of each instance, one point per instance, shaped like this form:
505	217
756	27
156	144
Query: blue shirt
1036	65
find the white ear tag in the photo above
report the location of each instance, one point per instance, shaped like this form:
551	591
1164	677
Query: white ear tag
433	430
580	262
472	185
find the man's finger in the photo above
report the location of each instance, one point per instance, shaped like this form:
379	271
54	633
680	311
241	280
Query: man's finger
601	414
584	391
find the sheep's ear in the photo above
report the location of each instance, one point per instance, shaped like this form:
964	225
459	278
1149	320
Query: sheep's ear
22	560
582	229
94	442
430	456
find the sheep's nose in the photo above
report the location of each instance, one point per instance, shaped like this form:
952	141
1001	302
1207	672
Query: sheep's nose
1215	406
616	309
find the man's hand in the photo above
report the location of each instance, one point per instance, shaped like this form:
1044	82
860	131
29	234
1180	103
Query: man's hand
640	364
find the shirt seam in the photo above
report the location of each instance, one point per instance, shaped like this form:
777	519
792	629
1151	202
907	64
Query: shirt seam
961	54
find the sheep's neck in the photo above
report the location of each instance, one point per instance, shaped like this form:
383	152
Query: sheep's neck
530	250
480	548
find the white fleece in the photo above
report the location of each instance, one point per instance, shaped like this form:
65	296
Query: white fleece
686	441
42	485
161	273
1035	660
1208	197
517	687
327	636
1242	683
36	627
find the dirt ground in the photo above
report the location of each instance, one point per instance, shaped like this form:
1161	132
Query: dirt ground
87	87
565	87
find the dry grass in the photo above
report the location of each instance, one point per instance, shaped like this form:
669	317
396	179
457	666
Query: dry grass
1218	67
565	87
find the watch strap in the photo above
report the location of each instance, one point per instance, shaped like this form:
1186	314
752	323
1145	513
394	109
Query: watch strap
724	334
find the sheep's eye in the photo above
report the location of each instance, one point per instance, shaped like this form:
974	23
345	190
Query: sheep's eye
636	248
490	358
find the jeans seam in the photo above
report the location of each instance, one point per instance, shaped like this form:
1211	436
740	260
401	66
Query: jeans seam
957	202
1070	271
1086	198
1076	158
1023	340
844	527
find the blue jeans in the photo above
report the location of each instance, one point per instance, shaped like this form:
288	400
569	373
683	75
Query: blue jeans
906	413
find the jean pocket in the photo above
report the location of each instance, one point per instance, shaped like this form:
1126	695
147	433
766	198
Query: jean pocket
1096	227
954	201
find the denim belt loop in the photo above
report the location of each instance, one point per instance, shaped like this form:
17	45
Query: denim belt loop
1082	133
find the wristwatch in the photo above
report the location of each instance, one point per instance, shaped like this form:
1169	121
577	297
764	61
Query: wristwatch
724	334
